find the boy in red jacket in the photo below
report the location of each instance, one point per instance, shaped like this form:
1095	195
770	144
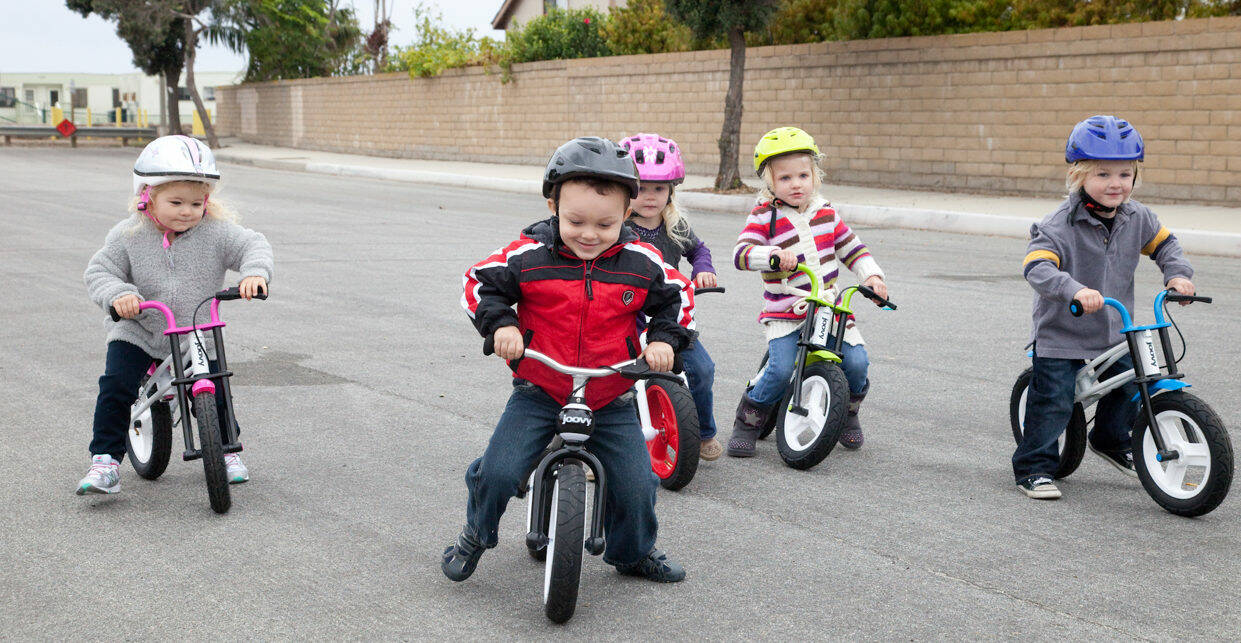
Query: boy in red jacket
579	281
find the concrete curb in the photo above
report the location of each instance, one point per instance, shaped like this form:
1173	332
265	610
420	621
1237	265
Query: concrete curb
1202	242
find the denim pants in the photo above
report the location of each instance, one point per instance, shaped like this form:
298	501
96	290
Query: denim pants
118	389
1049	406
782	351
700	370
525	429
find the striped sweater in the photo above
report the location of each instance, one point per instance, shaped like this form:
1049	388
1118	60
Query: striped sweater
821	240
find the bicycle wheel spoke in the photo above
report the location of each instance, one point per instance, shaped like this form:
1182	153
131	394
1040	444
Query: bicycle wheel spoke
1194	454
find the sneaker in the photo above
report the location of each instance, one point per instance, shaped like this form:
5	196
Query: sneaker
1122	459
104	476
461	558
656	567
236	469
1039	487
711	449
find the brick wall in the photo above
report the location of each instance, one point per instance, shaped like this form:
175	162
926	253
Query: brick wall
975	112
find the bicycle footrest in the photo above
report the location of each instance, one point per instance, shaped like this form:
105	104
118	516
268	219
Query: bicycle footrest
535	540
191	454
595	545
799	410
233	448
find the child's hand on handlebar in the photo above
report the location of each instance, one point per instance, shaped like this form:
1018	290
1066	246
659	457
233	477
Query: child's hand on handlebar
788	259
659	356
1090	299
706	280
251	286
875	283
508	343
1182	286
127	306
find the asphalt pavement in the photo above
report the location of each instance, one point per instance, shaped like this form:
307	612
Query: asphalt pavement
363	395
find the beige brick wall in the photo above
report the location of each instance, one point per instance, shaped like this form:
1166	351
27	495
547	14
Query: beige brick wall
973	112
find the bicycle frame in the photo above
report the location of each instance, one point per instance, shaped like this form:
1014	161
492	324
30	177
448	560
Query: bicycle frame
1148	371
186	344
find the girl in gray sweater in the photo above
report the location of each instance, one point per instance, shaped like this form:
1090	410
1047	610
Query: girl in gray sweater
175	247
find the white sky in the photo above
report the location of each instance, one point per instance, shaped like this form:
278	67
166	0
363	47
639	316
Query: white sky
44	36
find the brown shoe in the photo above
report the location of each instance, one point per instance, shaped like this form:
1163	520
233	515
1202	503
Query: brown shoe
711	449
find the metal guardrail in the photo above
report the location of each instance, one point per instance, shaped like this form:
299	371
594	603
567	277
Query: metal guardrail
47	131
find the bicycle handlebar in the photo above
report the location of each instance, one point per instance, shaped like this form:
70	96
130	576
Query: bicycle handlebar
699	291
873	296
634	369
228	294
1077	310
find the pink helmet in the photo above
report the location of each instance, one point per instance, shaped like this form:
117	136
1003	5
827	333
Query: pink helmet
658	158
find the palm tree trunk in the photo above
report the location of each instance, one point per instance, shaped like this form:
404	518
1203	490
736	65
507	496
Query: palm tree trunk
191	45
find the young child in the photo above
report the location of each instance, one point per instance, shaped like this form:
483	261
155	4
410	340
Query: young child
797	225
1086	250
175	247
654	215
579	279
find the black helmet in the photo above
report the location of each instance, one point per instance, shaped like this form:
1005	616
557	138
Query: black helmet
591	156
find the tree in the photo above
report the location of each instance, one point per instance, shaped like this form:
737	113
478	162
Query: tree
295	38
157	43
644	27
731	18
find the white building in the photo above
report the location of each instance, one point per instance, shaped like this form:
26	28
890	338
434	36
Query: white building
522	11
29	97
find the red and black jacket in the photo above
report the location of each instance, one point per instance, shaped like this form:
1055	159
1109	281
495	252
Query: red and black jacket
582	313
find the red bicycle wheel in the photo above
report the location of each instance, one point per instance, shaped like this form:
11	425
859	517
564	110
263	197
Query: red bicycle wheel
663	447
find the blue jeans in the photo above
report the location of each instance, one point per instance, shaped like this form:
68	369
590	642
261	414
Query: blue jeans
700	370
118	389
1049	406
782	351
524	430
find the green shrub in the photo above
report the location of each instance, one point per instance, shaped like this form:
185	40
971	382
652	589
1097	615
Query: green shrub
436	48
644	27
556	35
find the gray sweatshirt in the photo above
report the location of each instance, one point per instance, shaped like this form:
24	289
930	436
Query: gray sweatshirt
1070	250
133	261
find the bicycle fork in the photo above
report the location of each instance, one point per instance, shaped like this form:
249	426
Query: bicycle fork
202	380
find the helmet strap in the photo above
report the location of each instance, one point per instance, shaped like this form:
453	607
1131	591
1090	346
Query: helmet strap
144	206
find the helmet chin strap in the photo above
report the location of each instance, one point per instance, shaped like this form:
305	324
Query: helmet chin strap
144	206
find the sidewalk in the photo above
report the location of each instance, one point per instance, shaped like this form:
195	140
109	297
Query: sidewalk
1211	230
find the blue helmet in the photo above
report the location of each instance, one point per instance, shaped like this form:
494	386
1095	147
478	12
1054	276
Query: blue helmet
1105	138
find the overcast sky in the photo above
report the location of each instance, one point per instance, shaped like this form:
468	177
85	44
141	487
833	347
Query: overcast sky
45	36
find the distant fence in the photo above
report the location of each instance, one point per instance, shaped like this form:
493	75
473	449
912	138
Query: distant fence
982	112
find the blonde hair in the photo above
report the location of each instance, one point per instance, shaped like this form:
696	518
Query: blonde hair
1075	178
675	224
216	209
767	194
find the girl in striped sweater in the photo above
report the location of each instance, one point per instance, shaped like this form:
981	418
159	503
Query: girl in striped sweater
794	223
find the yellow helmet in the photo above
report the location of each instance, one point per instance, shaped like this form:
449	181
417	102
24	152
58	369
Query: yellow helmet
782	140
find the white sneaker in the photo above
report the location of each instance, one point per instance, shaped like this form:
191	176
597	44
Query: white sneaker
237	471
104	476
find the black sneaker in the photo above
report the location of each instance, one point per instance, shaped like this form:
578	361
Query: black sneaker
656	567
461	559
1122	459
1040	487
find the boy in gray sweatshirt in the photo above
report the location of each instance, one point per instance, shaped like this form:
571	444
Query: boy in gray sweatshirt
176	248
1086	250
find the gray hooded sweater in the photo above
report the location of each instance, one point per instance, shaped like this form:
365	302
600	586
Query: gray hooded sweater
133	261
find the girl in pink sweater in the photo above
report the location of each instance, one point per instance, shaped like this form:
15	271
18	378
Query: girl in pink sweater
797	225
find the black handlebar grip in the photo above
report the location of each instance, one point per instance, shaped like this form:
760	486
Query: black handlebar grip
1076	308
870	294
1174	296
773	262
698	291
229	294
112	312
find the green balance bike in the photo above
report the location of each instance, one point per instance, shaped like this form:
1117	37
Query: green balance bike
811	415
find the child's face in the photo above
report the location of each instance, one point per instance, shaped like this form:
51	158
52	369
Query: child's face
793	178
652	197
589	222
1110	182
179	206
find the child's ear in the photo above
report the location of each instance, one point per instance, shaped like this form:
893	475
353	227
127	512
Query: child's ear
551	205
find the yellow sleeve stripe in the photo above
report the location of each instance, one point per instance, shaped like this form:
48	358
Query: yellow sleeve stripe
1039	255
1160	237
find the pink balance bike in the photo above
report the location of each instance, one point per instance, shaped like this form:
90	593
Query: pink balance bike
669	420
148	442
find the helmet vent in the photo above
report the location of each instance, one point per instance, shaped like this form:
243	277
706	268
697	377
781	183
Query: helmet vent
659	157
639	156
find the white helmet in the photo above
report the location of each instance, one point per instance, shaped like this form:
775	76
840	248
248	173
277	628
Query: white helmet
174	158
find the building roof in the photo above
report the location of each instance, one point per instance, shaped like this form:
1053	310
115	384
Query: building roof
500	21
